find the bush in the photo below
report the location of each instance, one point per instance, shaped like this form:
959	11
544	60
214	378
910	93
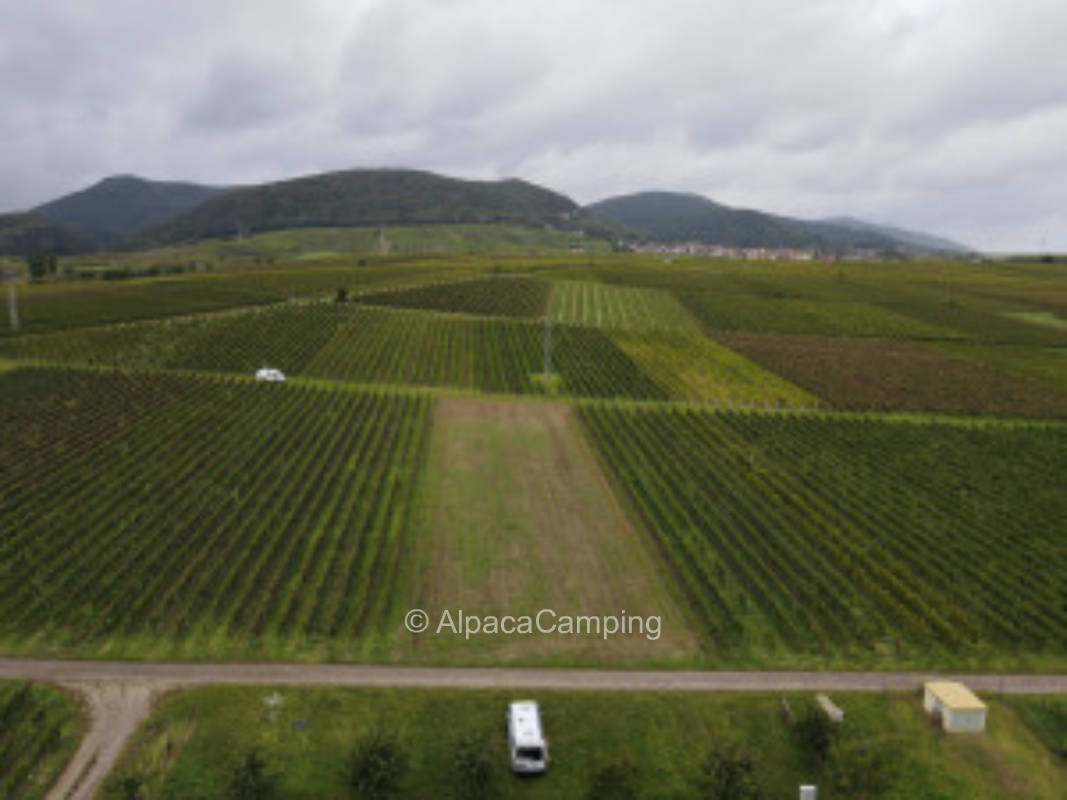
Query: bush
250	779
728	774
378	764
863	769
814	733
127	787
473	770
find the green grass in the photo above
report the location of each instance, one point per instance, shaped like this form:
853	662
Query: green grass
1047	318
191	744
40	728
692	367
519	518
1047	718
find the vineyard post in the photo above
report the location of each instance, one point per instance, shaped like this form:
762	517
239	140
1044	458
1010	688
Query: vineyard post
12	300
548	349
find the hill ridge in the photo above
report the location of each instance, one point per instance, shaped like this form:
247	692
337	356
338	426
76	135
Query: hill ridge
667	216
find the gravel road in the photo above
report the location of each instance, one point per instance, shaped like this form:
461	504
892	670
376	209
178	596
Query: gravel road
119	694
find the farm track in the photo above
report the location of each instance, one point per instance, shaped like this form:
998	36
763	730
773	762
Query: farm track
119	694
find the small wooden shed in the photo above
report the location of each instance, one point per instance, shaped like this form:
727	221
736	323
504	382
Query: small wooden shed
957	706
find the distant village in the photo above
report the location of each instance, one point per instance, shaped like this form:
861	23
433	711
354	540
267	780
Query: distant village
752	253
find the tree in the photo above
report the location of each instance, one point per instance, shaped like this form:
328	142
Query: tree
473	770
37	265
378	764
250	779
342	295
863	769
728	774
814	733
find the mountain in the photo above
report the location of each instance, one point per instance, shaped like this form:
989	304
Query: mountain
920	241
117	207
678	217
366	198
24	233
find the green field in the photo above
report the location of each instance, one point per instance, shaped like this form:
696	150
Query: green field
1047	718
850	541
885	375
692	367
519	518
232	518
885	747
510	296
602	306
191	513
339	246
40	727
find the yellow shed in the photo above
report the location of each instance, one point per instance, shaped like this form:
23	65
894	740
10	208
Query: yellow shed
958	707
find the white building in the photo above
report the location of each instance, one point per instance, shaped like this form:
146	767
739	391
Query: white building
956	705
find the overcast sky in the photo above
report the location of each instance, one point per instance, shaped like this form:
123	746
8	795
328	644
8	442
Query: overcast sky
948	116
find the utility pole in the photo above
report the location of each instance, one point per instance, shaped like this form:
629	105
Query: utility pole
548	350
12	300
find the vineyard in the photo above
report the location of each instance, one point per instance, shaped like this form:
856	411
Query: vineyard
155	501
235	518
603	306
510	296
484	355
809	534
881	375
39	730
693	367
50	417
62	306
73	305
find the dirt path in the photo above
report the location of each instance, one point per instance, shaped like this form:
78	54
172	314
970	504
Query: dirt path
119	694
115	711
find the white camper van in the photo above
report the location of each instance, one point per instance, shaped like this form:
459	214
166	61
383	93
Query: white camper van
526	742
268	374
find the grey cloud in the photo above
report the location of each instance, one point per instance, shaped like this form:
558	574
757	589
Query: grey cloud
944	115
243	91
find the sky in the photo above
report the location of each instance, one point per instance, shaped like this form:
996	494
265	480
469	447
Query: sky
946	116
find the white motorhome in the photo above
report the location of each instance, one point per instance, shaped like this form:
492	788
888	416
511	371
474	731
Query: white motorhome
268	374
526	741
